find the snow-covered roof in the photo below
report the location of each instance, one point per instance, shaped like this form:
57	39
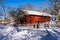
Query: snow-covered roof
36	13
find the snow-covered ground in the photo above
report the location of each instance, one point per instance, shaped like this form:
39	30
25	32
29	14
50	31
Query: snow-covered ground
16	33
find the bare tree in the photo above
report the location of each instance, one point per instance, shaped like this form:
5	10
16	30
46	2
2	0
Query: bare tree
28	6
59	15
18	15
12	13
56	7
46	10
2	3
55	4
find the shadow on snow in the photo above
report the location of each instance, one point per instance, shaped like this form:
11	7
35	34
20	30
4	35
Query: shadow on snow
49	36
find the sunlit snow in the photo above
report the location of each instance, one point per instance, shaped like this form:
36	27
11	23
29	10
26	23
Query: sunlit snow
15	33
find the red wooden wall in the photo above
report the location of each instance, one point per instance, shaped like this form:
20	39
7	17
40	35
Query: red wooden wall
33	19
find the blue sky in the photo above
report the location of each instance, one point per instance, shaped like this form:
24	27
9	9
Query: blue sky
16	3
42	3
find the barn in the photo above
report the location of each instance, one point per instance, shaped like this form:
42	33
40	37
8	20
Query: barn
34	17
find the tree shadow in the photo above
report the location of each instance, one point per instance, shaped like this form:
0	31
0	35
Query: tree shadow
1	37
57	32
17	29
49	36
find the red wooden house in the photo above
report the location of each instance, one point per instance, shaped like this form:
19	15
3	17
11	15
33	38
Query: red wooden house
33	17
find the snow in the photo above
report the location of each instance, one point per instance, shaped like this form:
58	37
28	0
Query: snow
37	13
11	33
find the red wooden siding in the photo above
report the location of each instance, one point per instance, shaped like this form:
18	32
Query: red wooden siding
33	19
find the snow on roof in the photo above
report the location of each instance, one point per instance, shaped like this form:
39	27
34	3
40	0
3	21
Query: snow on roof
36	13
